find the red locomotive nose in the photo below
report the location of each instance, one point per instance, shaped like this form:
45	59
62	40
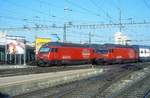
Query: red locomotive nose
42	56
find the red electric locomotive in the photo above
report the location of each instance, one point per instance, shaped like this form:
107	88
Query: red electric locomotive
56	53
115	54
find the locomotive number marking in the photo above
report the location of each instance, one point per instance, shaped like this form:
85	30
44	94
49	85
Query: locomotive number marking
85	53
66	57
118	57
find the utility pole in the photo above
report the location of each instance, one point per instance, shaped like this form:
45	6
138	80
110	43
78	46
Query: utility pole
120	22
64	35
24	61
120	17
89	37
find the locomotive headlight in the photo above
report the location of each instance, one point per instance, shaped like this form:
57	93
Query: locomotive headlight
105	55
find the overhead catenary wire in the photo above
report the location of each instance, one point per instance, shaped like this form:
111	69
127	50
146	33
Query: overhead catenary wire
62	8
50	4
84	26
106	13
80	26
85	11
115	4
118	7
43	13
146	4
15	17
83	8
31	9
22	19
30	20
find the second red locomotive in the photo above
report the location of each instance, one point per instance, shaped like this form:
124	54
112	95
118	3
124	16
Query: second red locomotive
110	53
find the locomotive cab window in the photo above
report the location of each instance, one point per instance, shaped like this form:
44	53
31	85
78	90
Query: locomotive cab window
141	51
44	49
103	51
111	50
94	51
54	50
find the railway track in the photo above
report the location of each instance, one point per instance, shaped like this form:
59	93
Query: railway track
88	88
37	70
95	86
140	89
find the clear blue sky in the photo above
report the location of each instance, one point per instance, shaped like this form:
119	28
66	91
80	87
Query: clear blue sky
16	13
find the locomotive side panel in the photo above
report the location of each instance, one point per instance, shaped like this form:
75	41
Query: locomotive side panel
75	54
57	55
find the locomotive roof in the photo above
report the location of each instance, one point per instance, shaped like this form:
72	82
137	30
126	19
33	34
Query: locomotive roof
117	45
105	46
96	46
65	44
141	46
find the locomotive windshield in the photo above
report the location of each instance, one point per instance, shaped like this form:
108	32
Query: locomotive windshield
102	51
44	49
